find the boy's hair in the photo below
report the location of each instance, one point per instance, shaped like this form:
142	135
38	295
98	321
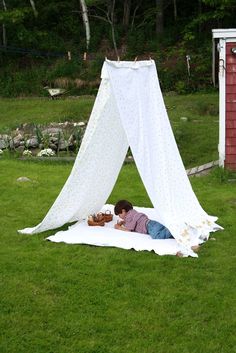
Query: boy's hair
122	205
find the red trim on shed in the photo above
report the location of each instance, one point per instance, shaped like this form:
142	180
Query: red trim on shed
231	150
231	89
230	124
231	78
231	133
230	141
231	116
231	158
231	96
230	106
230	166
231	68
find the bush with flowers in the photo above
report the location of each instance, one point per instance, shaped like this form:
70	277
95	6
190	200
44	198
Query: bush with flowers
47	152
27	153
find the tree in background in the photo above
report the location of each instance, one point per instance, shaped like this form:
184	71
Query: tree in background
56	24
86	21
168	31
32	3
106	14
4	34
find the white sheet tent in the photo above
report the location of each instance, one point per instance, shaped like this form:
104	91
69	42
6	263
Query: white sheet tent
129	111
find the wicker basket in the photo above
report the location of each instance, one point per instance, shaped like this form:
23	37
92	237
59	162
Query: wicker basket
93	223
96	220
107	216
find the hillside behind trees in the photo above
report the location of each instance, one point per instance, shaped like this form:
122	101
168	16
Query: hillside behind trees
36	36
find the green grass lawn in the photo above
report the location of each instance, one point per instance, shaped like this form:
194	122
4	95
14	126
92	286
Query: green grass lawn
14	112
76	298
197	138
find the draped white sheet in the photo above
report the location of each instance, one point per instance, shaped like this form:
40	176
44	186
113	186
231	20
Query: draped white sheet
129	110
81	233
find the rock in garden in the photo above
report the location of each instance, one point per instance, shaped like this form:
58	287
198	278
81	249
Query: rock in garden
11	144
17	139
4	140
20	148
63	145
53	139
71	140
23	179
32	142
3	144
52	130
81	123
53	146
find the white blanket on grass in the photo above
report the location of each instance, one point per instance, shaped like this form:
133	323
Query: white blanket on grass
81	233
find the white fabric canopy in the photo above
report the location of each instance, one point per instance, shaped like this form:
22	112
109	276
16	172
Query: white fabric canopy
129	111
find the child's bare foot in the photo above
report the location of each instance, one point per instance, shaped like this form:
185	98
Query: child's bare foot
179	254
195	248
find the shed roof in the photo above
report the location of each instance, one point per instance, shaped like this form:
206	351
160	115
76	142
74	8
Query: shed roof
224	33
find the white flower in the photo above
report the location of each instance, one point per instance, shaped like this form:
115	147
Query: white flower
1	152
47	152
27	153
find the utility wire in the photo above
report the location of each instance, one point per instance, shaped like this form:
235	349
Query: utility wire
11	49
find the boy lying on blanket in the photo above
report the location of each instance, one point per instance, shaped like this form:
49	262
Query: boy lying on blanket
133	221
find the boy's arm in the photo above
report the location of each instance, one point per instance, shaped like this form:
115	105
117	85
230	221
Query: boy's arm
121	223
121	227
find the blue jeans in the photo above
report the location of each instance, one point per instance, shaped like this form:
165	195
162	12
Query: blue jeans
157	231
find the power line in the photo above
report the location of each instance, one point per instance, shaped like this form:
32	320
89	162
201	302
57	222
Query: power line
11	49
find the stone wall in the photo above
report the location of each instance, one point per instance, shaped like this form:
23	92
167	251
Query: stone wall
64	136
